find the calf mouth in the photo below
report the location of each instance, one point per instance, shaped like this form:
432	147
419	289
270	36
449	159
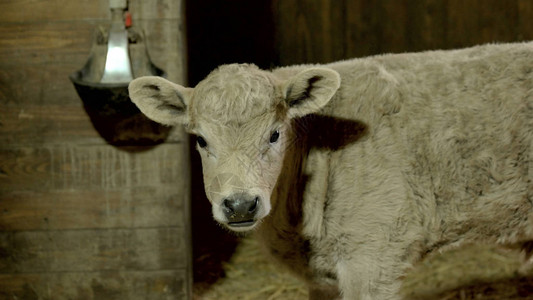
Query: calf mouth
241	225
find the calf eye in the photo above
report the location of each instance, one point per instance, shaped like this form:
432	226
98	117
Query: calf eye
201	142
274	137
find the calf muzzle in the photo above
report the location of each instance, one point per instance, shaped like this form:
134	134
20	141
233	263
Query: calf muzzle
240	211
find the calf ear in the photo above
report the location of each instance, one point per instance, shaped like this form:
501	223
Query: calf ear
310	90
161	100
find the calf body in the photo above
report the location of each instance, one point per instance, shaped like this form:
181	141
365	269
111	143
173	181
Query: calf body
351	172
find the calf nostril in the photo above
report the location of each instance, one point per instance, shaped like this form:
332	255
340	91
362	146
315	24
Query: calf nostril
254	205
228	206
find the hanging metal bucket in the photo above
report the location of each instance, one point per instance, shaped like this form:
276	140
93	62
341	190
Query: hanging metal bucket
106	101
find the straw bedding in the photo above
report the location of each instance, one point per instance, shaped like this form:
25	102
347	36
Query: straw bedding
250	276
473	272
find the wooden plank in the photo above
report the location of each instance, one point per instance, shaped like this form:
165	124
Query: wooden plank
525	20
331	29
19	84
393	30
292	33
39	82
92	167
426	25
157	10
361	24
142	206
367	33
461	29
40	105
93	250
497	20
34	84
104	285
482	21
41	43
30	11
167	46
373	27
46	124
42	125
310	31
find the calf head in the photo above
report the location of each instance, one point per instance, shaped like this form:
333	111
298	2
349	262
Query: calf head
241	118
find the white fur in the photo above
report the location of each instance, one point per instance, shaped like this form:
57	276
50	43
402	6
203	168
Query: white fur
445	158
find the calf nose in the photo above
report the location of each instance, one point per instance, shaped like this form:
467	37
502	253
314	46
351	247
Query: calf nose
240	209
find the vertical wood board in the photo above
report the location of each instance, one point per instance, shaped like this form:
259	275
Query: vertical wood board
311	31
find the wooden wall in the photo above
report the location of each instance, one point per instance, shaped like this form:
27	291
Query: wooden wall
79	218
319	31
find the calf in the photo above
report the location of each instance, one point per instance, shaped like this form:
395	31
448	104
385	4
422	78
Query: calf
351	172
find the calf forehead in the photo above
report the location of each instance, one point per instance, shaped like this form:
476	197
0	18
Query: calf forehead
233	94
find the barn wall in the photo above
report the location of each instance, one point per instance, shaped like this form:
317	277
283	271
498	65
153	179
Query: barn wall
79	218
319	31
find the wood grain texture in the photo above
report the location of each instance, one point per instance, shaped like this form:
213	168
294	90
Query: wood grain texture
324	31
156	9
138	207
24	44
304	28
167	48
59	115
45	124
79	218
524	22
92	167
92	250
53	10
108	285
